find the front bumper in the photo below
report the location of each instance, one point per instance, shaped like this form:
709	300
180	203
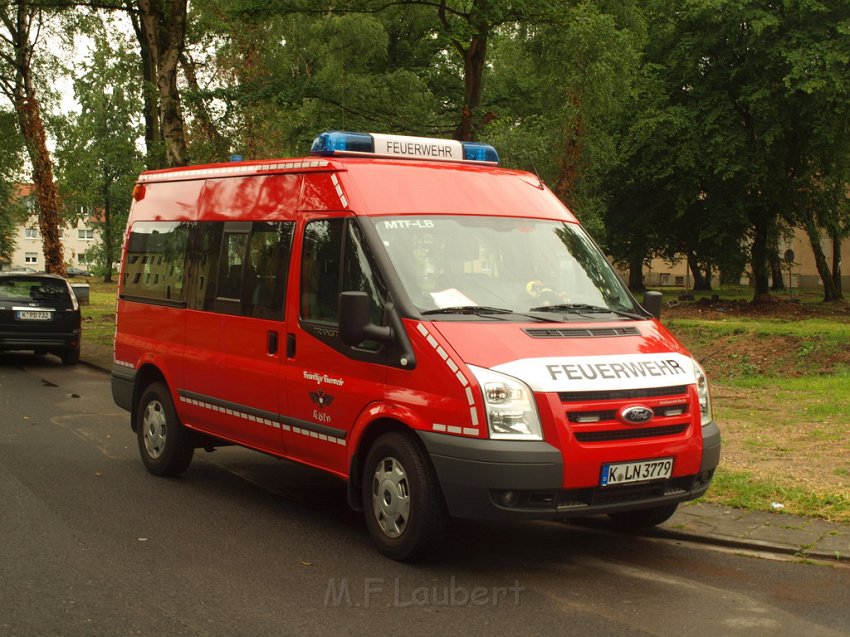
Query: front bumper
505	480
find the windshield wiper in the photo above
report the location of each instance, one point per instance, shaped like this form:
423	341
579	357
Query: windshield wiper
468	309
480	310
584	308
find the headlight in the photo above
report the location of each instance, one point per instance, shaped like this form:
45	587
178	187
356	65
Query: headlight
509	403
704	395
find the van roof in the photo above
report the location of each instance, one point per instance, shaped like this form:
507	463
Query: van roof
377	186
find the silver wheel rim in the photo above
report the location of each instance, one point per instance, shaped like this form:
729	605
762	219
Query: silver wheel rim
153	428
391	497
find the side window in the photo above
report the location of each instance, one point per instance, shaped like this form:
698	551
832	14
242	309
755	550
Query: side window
156	255
269	249
233	275
202	267
359	273
336	259
239	267
320	270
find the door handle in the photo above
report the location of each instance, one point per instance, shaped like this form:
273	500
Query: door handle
272	343
290	345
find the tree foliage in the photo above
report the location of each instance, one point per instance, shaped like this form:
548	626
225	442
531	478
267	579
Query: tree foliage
11	154
98	158
702	129
22	22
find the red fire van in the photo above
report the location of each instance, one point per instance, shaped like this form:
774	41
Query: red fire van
403	313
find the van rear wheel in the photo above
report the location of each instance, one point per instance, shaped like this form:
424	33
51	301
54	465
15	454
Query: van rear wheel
641	519
164	443
402	501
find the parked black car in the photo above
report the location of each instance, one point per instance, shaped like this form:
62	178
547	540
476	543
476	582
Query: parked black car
39	312
73	271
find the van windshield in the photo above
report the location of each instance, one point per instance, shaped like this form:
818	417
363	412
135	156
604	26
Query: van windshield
500	263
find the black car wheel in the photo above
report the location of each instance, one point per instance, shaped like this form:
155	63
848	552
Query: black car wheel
70	356
165	445
402	500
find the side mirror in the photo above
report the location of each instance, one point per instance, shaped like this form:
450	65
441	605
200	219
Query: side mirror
652	303
354	324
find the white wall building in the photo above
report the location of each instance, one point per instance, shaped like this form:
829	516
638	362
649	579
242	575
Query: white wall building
77	240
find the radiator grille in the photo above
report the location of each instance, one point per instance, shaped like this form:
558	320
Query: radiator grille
629	434
622	394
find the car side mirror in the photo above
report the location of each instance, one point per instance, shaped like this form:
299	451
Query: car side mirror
354	323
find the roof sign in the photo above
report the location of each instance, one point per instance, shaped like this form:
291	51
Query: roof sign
402	147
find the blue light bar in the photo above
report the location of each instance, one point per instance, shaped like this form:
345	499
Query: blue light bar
476	151
402	147
335	141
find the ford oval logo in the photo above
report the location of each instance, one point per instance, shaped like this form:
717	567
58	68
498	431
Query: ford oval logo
637	415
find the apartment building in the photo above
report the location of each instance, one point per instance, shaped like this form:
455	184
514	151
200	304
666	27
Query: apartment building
78	238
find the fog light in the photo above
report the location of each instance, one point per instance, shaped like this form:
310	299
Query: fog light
509	498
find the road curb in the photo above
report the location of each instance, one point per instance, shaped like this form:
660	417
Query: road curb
745	544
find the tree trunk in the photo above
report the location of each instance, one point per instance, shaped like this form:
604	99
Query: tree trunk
758	261
153	136
568	169
776	276
836	265
474	58
830	292
474	55
636	282
164	25
22	94
776	280
693	266
218	145
107	234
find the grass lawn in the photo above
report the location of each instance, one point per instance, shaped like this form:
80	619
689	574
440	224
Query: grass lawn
780	377
99	314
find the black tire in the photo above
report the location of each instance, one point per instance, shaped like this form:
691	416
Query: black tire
70	356
165	445
402	501
641	519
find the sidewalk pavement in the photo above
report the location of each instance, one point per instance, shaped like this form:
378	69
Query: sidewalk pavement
694	522
757	530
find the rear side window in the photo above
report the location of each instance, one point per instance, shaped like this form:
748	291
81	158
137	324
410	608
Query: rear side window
235	268
252	268
156	259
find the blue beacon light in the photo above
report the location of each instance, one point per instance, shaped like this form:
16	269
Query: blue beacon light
402	147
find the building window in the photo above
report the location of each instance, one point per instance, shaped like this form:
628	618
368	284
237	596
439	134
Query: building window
85	233
31	257
82	258
30	233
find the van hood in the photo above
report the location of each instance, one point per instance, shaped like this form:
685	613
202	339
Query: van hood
574	357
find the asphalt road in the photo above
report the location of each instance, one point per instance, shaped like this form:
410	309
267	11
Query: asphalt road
244	544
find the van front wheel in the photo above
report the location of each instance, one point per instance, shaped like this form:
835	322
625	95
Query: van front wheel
164	443
402	501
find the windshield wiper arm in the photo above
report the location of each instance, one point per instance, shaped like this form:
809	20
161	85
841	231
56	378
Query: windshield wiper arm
580	308
468	309
483	310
